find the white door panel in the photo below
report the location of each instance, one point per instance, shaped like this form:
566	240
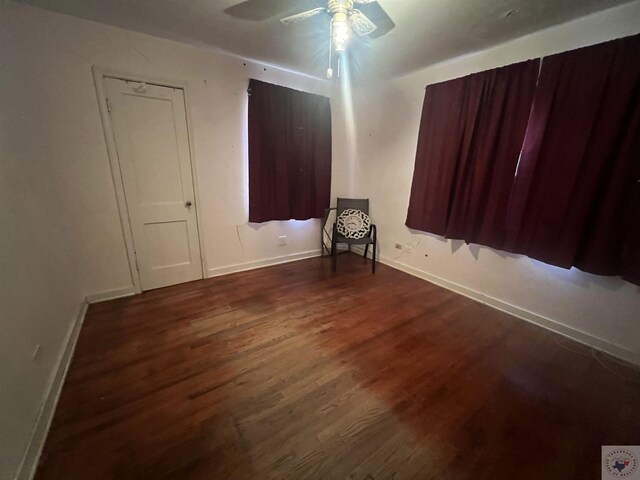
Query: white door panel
150	129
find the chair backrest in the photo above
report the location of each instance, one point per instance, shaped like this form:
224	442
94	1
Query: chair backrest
361	204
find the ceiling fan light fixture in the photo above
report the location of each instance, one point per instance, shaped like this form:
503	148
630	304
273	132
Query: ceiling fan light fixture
341	31
340	24
369	19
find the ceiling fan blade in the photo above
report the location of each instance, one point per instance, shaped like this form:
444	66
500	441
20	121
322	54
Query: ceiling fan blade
361	24
301	17
257	10
376	14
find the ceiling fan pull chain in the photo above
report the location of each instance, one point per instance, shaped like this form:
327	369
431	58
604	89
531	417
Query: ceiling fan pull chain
330	69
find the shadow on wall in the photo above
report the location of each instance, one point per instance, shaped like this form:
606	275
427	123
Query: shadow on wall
572	276
579	278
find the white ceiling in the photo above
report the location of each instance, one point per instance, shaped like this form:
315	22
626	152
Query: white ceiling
427	31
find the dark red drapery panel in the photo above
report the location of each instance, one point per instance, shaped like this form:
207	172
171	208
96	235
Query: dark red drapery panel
470	138
575	200
289	153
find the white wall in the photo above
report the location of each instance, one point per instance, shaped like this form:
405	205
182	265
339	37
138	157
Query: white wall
603	311
40	288
61	237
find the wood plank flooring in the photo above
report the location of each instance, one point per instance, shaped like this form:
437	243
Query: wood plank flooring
292	372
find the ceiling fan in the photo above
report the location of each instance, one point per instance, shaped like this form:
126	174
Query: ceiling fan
367	20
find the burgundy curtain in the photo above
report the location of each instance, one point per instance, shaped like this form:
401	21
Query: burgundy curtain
470	138
289	153
576	197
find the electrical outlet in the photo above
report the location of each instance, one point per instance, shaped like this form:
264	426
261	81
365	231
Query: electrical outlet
282	240
404	247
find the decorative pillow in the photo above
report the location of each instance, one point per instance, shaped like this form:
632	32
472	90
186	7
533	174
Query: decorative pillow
353	223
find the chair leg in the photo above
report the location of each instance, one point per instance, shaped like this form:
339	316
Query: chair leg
334	249
334	258
373	262
366	249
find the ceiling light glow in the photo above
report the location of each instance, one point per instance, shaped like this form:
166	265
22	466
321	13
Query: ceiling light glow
341	31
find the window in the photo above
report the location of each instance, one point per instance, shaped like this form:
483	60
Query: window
470	138
289	153
576	198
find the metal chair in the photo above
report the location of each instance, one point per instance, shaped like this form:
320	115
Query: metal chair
361	204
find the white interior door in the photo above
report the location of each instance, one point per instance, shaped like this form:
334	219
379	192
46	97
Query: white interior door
150	131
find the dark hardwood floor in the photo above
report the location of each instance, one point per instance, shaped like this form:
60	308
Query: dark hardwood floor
294	372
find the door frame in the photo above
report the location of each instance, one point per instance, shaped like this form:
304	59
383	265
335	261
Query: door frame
99	74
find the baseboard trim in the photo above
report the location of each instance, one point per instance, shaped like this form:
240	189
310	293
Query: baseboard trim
111	294
241	267
29	464
519	312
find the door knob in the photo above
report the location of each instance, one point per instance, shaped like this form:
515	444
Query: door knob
188	204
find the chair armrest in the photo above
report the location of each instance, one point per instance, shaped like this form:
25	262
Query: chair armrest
326	215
